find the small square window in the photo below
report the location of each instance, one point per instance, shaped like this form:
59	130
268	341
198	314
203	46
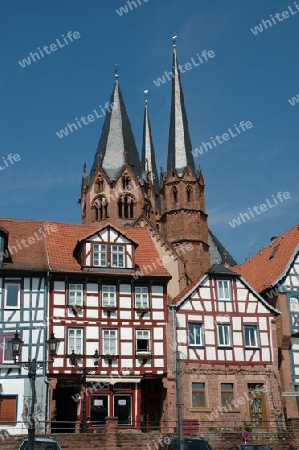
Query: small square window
224	335
223	290
108	296
251	336
141	297
12	295
198	395
100	255
195	334
75	294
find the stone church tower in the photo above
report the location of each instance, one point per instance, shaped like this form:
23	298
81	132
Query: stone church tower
122	189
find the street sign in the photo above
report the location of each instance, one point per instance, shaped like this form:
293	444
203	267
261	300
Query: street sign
245	435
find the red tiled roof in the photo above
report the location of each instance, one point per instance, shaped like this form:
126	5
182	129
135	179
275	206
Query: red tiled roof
61	240
260	271
24	255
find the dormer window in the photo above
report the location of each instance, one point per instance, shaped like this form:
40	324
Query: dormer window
117	256
100	255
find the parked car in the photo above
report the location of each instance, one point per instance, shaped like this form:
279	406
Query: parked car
42	443
190	444
251	447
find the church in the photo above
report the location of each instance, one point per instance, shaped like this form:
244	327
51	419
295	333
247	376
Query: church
140	277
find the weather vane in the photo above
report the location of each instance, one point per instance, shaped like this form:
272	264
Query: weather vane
174	40
145	96
116	71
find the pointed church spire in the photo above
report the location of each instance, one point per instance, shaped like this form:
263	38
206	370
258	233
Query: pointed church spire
179	145
117	143
148	153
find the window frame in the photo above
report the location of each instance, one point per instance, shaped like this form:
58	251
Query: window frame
4	346
69	350
76	303
223	298
144	305
99	253
220	326
198	391
109	330
201	334
118	254
149	346
110	304
227	393
256	333
10	283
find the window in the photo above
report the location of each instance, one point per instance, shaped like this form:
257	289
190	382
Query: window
143	341
100	255
195	334
117	256
141	297
126	207
6	350
189	193
224	335
223	288
251	336
8	409
108	296
75	294
109	342
198	395
75	341
12	295
227	394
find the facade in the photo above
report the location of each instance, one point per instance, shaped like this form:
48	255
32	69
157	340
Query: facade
274	273
226	339
23	293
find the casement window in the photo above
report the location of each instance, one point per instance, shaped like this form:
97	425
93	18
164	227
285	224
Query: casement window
100	255
195	334
8	410
198	395
141	297
227	394
143	341
109	342
223	291
75	296
75	341
6	350
251	336
224	335
117	256
12	295
108	296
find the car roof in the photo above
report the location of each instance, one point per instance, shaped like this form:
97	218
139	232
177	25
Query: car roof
42	439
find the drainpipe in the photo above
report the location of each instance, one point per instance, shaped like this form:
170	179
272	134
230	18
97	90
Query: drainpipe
177	381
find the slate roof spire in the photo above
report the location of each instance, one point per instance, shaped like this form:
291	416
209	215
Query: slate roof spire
179	144
148	152
117	143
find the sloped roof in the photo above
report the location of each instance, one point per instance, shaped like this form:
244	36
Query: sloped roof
268	266
24	255
55	250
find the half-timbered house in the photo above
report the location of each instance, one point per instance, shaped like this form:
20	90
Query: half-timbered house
23	295
274	273
110	315
225	334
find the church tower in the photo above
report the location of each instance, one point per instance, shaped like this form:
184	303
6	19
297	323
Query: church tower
114	189
183	215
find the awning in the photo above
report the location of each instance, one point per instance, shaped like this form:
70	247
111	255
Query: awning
113	380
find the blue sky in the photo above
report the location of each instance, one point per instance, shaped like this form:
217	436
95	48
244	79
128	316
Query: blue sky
250	78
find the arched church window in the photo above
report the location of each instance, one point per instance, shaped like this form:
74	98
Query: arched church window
126	207
189	193
175	195
100	206
100	184
126	182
